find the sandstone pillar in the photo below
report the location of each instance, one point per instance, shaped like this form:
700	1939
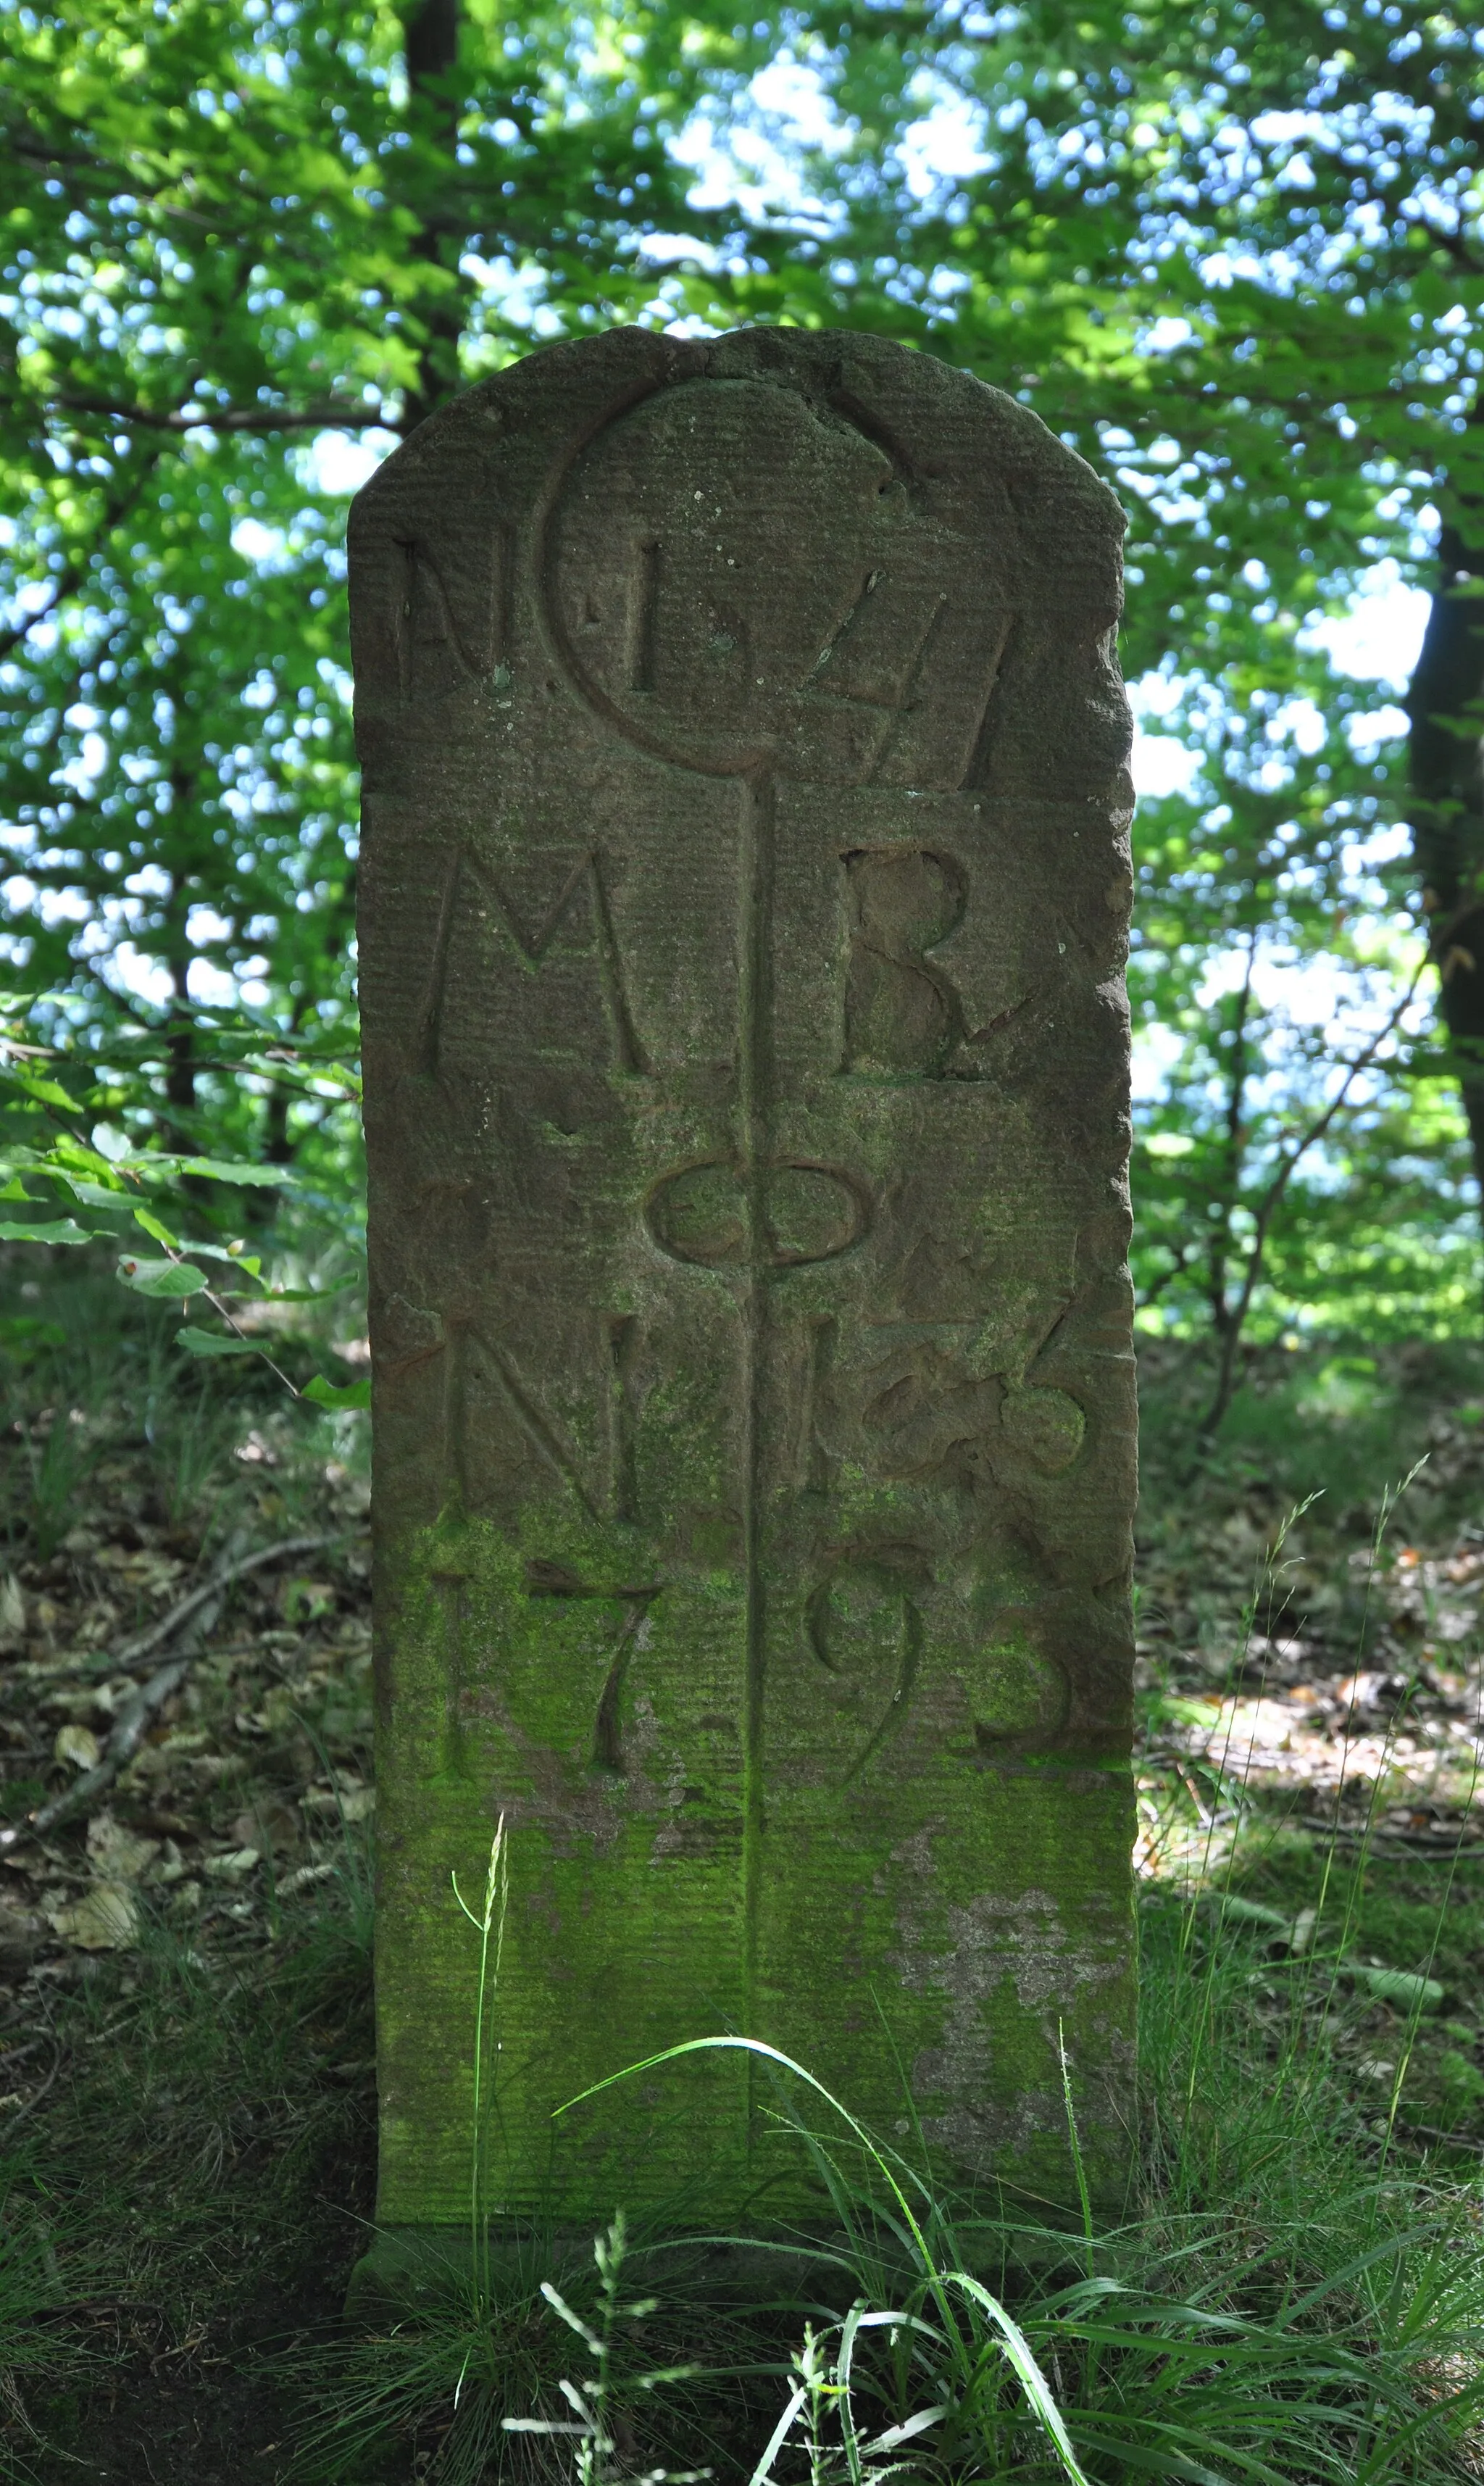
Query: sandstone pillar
745	892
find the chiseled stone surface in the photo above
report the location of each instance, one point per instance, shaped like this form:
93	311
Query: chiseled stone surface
744	894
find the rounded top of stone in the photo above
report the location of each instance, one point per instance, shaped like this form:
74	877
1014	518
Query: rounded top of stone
842	366
780	549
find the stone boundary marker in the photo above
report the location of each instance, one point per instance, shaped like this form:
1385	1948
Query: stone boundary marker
744	901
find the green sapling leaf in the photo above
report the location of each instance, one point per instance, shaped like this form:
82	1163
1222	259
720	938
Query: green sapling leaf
214	1252
44	1092
161	1233
325	1393
62	1229
163	1279
229	1169
214	1341
95	1195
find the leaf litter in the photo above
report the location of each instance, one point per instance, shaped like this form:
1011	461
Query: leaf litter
236	1797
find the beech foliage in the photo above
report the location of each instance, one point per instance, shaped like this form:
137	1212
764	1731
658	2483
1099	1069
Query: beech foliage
1234	254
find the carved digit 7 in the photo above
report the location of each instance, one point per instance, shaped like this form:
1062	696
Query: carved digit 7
554	1580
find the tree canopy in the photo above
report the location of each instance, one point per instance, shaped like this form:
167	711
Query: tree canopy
1233	254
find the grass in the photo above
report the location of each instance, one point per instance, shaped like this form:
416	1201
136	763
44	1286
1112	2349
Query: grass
204	2145
204	2157
37	2349
1274	2301
1279	2297
1291	2291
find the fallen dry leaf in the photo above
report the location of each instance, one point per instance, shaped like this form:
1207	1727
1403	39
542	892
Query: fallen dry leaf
77	1745
151	1573
22	1931
118	1854
270	1823
345	1803
13	1615
104	1919
233	1866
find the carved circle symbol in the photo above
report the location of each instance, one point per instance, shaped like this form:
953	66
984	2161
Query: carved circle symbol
789	1216
738	577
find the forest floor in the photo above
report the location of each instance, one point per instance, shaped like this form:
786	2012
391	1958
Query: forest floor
186	2077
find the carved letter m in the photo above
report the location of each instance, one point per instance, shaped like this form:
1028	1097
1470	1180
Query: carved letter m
585	874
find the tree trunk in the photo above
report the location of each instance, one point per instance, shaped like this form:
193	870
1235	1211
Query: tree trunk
433	62
175	1125
1445	703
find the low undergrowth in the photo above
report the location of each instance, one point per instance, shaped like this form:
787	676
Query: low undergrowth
1290	2290
1276	2298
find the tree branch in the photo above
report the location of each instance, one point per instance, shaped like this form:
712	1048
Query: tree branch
202	1607
1272	1200
129	1653
333	415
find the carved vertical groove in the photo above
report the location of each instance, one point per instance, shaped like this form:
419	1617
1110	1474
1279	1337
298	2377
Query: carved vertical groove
644	620
622	1451
430	1032
753	1087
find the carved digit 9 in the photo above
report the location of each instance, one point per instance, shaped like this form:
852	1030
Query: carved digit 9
863	1621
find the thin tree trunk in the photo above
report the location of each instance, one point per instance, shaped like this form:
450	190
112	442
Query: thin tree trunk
1445	703
278	1141
175	1124
433	61
1289	1157
1235	1151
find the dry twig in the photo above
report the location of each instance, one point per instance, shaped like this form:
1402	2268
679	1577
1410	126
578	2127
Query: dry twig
202	1607
120	1660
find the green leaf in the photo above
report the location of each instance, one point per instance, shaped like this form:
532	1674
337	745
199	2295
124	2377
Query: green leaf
325	1393
95	1195
68	1153
62	1230
42	1092
215	1252
163	1279
214	1341
161	1233
230	1170
16	1189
